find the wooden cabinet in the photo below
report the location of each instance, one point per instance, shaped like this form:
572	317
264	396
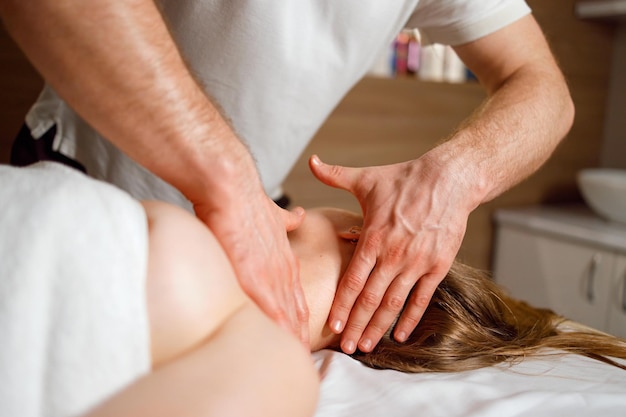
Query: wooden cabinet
617	298
565	259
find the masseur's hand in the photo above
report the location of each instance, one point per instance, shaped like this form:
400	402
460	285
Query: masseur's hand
414	222
415	213
253	232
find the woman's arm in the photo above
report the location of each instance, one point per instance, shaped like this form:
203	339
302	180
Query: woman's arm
214	352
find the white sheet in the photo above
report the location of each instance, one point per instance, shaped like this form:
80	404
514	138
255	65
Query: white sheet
73	320
563	385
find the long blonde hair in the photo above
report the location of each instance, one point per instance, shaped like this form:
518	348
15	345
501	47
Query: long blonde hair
471	323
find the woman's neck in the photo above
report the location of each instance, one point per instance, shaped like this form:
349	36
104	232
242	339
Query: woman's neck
324	253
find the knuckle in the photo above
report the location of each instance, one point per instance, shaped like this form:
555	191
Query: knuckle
410	322
353	327
394	302
352	281
407	281
341	310
377	328
369	300
334	170
396	253
421	302
374	240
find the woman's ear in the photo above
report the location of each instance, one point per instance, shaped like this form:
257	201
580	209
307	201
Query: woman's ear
352	234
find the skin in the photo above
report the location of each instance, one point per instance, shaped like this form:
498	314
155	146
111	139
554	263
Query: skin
213	350
324	246
192	289
202	325
415	212
157	114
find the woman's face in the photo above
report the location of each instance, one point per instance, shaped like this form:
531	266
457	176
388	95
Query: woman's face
324	245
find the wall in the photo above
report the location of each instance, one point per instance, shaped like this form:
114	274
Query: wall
614	150
19	86
383	121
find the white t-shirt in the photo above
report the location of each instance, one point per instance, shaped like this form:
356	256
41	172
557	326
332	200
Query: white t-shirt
277	69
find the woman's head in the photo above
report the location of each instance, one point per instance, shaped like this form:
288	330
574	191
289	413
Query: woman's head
470	322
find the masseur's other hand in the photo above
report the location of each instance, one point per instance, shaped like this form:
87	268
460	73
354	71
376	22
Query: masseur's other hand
413	226
253	232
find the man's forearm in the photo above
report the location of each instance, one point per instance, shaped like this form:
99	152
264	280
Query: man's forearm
511	135
527	113
116	64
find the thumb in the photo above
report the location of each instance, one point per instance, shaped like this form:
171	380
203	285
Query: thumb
292	219
335	176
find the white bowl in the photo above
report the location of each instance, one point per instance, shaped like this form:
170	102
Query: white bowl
604	190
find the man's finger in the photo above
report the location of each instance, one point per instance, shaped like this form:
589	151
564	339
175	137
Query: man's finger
293	218
416	306
367	303
334	176
350	286
390	307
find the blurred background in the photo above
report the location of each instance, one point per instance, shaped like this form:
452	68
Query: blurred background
390	119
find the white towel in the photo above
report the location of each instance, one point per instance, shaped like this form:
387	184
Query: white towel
73	319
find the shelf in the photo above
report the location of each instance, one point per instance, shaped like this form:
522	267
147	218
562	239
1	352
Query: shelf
601	9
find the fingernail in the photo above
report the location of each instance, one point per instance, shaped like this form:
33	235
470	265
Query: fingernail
401	337
349	347
366	345
336	326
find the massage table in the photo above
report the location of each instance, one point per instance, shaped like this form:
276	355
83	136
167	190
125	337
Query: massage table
41	234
